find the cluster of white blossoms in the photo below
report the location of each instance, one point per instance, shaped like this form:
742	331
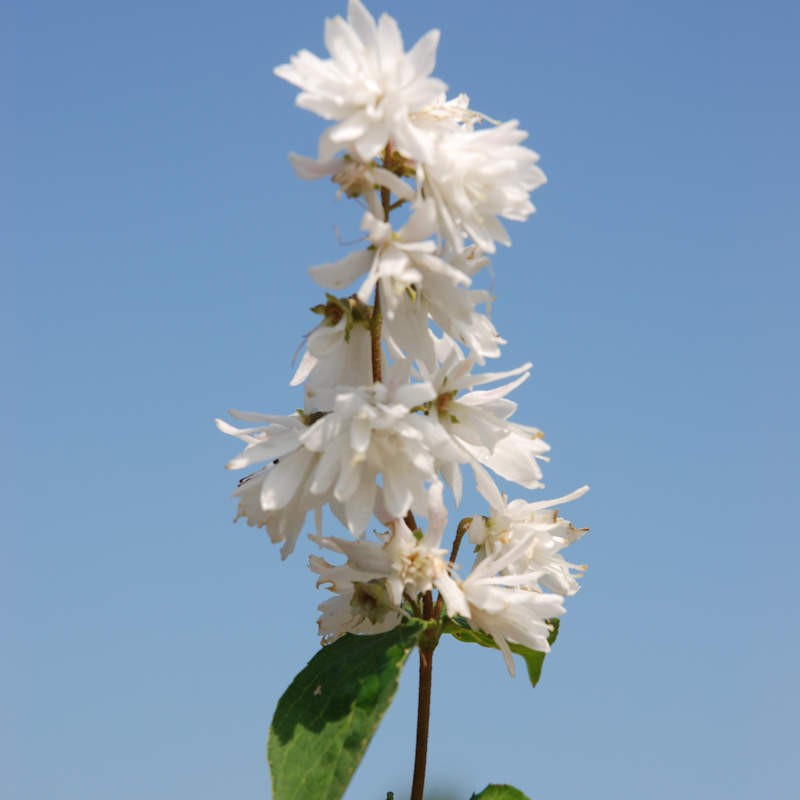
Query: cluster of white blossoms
392	409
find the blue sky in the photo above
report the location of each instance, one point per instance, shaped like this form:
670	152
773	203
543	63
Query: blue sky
156	244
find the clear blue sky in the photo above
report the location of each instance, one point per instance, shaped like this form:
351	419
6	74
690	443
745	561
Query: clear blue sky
155	246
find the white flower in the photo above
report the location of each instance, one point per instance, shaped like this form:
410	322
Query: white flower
510	614
375	430
337	352
400	261
336	455
370	86
276	497
478	176
373	584
546	535
355	178
456	314
453	308
361	603
478	422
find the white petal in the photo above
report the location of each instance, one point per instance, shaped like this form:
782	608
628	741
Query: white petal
423	54
397	494
342	273
309	169
486	486
326	471
304	369
362	21
281	483
359	508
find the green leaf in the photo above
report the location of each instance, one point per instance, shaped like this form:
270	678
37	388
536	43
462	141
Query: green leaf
496	791
460	630
326	718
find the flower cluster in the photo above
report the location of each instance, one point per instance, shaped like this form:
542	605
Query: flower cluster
393	407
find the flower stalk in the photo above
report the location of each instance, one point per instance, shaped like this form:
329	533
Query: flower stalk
396	408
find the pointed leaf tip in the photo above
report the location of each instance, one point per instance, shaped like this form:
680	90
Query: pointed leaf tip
534	660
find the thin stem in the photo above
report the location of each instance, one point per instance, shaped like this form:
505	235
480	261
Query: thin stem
376	328
386	202
376	331
463	527
426	648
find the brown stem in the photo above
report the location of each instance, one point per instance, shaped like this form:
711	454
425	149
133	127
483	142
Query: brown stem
376	329
423	718
386	195
463	527
386	202
426	647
